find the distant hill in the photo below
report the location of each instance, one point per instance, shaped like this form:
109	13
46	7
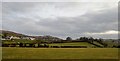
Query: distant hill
11	33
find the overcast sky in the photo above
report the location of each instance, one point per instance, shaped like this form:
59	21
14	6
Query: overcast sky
62	19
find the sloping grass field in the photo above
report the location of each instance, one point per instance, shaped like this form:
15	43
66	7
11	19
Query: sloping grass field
59	53
73	44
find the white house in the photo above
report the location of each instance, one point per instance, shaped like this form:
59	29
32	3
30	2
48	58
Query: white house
29	38
32	38
14	37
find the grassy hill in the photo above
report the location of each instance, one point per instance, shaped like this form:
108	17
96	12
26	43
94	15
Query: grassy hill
10	33
38	39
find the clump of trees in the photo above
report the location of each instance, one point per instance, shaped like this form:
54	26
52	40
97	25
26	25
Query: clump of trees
92	40
68	39
86	39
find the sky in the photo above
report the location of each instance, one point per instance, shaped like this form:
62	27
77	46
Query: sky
62	19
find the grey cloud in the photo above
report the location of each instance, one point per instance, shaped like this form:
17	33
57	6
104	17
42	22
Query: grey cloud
95	21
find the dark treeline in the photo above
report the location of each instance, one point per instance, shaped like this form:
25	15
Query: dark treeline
100	41
39	45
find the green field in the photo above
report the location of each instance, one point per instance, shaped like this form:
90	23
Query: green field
18	40
59	53
73	44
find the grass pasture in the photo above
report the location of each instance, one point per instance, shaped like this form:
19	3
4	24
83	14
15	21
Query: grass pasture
73	44
59	53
